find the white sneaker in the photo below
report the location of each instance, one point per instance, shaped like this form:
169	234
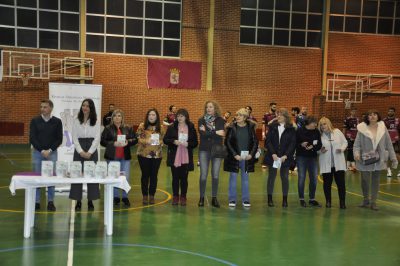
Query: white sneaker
389	173
246	204
232	204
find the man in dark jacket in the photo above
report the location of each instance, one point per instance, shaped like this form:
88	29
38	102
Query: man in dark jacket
45	136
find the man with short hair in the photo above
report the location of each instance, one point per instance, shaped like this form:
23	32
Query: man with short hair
107	117
171	116
268	119
393	125
350	131
45	136
301	117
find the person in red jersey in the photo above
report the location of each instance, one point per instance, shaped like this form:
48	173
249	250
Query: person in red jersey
392	124
350	131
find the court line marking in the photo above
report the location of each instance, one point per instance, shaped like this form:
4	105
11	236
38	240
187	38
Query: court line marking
70	260
358	195
169	197
126	245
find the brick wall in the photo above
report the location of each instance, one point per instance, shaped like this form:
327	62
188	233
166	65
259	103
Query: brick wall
243	75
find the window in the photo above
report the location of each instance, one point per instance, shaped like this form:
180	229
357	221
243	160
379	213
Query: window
365	16
281	22
150	27
51	24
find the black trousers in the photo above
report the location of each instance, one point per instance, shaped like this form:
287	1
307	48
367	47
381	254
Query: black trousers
149	168
93	190
180	179
350	156
340	182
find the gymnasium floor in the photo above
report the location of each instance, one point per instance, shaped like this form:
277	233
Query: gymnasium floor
167	235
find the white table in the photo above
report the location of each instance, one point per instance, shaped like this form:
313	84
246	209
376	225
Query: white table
30	183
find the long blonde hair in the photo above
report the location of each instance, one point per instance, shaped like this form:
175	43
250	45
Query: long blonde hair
326	121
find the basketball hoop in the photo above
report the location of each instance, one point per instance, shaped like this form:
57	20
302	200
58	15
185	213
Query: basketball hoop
25	78
347	104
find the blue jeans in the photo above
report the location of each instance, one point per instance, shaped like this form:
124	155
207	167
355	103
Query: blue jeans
37	159
245	183
205	158
305	164
126	169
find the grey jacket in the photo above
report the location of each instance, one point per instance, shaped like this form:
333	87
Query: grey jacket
383	145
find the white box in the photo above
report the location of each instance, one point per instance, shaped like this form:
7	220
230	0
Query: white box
75	169
89	169
61	169
101	170
113	169
47	168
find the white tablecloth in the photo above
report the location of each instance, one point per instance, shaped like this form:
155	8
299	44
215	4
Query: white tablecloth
26	181
31	182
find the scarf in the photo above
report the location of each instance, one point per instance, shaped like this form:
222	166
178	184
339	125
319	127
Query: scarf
210	124
182	155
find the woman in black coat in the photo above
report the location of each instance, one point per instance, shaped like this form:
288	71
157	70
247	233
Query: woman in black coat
118	150
242	144
181	138
280	144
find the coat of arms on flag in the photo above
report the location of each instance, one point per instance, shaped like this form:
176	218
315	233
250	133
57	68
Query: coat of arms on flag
163	73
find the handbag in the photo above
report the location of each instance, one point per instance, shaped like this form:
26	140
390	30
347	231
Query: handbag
218	150
370	157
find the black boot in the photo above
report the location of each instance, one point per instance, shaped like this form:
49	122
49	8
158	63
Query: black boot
284	202
78	205
214	202
201	202
90	205
328	204
270	201
342	204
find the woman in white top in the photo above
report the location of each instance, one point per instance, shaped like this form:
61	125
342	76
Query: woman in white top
86	137
332	162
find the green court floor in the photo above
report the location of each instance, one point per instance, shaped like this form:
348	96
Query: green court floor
168	235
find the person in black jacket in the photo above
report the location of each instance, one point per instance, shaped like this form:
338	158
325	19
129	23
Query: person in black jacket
280	144
308	142
45	136
181	138
107	118
242	144
211	131
118	148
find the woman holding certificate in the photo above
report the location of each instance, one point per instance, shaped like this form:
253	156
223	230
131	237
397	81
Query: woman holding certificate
242	144
280	144
150	136
86	137
117	138
181	139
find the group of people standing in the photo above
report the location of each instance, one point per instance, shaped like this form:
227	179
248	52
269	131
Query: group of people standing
308	144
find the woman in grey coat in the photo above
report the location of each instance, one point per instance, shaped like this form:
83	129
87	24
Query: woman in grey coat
372	149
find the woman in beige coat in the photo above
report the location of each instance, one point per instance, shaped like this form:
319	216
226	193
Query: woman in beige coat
372	149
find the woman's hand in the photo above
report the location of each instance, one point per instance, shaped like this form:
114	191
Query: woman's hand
177	142
283	158
275	157
357	157
220	133
323	150
248	157
238	158
202	128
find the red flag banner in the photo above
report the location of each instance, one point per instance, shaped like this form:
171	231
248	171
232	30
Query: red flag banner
162	73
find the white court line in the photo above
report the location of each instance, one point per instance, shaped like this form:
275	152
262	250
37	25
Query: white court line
70	260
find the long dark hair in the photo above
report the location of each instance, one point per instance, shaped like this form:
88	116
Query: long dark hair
185	113
92	113
157	123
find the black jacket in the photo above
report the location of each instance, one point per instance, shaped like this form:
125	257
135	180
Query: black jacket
172	135
286	146
230	163
109	136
